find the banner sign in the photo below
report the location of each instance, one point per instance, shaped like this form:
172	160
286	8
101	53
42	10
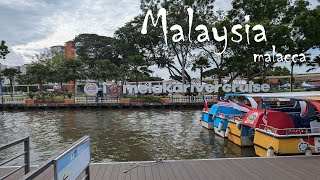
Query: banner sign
91	89
73	162
116	90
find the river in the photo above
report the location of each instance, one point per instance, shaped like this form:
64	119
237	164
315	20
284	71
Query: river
116	135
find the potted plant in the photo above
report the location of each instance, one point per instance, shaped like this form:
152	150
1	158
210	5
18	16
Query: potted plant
124	100
165	100
69	100
30	100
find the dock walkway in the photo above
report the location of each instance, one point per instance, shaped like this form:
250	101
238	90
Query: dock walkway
301	167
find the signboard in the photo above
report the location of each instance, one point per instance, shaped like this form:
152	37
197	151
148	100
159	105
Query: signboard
114	90
91	89
74	161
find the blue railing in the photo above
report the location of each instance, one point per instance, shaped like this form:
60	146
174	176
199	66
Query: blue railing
26	154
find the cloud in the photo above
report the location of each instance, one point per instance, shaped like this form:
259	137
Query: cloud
29	26
34	25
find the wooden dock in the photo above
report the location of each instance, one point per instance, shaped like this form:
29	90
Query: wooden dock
301	167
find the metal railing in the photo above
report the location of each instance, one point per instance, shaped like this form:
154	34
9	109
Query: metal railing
26	153
290	131
174	99
13	100
51	163
85	100
209	98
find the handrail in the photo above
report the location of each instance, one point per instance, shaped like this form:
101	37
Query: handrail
50	162
26	154
288	130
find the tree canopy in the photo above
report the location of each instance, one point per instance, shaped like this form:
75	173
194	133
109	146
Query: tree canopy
3	50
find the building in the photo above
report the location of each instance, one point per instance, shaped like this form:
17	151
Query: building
58	49
310	78
16	67
23	68
2	67
69	50
70	54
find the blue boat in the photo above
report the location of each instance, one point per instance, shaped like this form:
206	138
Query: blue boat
220	113
223	113
207	120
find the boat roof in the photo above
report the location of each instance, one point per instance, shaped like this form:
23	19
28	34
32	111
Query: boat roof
303	95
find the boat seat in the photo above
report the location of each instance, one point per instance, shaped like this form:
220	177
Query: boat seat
287	109
300	122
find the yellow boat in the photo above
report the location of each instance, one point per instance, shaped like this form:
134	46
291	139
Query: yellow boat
241	131
288	131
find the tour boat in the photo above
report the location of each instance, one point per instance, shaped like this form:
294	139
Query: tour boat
242	133
286	131
218	116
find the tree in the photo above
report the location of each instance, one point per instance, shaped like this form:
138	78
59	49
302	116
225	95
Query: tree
138	68
38	71
105	70
92	47
3	50
175	56
200	63
314	64
58	69
74	71
278	71
270	14
11	73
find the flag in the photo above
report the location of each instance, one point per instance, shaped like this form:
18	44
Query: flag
239	106
265	113
223	103
205	105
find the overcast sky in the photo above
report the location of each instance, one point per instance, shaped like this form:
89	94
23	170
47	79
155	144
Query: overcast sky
32	25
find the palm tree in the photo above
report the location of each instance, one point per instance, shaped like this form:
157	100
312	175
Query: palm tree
11	73
201	64
314	64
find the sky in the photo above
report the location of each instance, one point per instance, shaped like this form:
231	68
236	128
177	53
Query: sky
29	26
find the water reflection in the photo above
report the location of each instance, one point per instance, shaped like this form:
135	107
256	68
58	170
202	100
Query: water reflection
118	135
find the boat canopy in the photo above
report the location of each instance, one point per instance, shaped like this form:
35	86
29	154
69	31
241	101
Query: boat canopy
305	95
253	103
300	115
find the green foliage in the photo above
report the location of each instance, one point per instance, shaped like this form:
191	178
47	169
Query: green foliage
45	96
31	95
3	50
58	70
138	67
290	26
11	73
92	47
69	95
200	63
38	72
147	98
278	71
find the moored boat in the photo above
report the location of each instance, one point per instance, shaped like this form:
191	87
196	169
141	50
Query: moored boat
287	131
218	116
236	133
241	131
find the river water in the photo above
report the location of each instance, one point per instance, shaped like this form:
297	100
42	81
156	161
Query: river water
116	135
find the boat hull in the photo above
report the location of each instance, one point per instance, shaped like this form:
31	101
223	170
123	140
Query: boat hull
207	125
206	120
239	136
220	133
285	145
216	123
